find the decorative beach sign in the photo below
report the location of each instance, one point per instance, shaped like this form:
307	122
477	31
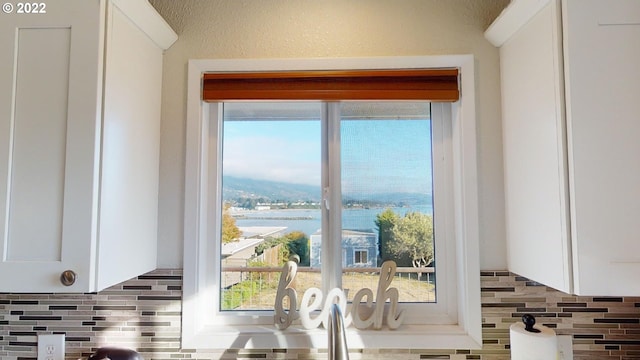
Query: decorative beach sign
365	310
282	319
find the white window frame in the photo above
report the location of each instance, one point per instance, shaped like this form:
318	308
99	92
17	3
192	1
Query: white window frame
202	326
360	250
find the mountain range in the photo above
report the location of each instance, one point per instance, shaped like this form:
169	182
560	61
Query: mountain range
245	188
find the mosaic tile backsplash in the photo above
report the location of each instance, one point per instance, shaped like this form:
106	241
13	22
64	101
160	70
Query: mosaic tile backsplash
144	314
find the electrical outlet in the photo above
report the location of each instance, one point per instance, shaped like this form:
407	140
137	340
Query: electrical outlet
51	347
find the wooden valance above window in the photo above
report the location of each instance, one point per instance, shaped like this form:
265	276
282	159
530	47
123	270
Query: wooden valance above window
332	85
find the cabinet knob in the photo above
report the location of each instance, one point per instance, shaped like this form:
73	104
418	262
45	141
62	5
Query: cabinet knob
68	277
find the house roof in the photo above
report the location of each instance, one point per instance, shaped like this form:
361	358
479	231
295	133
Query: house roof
231	248
260	231
350	232
251	236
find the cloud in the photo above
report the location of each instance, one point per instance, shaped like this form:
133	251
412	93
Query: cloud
272	158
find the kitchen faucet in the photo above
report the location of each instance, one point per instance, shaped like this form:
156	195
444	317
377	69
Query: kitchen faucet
337	337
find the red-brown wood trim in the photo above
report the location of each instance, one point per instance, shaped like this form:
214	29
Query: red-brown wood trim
402	84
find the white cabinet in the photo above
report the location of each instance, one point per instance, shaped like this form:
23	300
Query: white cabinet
571	132
80	90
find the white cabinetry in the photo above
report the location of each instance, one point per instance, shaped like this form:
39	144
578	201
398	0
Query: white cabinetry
571	132
79	143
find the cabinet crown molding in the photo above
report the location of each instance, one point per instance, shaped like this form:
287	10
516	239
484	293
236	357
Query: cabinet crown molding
512	18
146	18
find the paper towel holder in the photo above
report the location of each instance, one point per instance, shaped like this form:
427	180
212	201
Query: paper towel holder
529	320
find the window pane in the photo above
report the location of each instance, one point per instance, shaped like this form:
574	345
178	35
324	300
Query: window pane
271	195
360	257
271	198
387	196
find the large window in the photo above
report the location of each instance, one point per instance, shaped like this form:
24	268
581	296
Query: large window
277	198
340	186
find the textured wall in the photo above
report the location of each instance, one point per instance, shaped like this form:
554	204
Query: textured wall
225	29
144	314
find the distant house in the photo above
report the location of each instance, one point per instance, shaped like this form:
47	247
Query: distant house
262	231
359	249
239	253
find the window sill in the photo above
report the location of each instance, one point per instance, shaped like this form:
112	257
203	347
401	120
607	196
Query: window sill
267	337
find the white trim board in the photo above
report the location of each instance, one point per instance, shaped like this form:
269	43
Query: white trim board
149	21
518	13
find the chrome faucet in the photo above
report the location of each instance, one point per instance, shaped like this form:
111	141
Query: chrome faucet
337	337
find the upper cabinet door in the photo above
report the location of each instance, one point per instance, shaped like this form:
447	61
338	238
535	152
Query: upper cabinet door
602	75
570	105
50	97
533	126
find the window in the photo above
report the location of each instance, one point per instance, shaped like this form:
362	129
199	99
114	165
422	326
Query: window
360	257
366	154
274	187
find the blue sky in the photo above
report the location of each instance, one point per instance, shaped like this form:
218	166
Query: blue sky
383	156
377	156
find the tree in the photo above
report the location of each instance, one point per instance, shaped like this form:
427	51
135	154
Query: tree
385	221
293	243
413	239
230	231
298	243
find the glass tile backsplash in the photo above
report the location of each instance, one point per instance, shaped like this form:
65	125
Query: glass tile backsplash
144	314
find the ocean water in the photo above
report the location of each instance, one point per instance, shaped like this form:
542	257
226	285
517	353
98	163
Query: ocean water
309	220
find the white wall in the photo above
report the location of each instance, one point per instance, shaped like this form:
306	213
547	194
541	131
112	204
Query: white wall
228	29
